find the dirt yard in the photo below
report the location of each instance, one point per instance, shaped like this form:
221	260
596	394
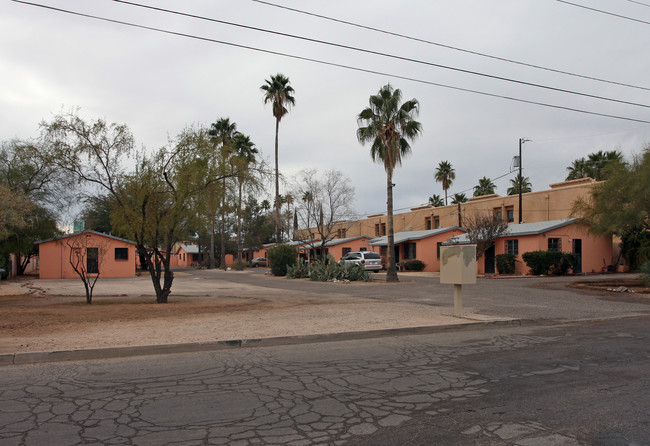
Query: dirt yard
38	321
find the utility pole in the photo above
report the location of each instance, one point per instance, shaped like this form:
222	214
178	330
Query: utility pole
521	180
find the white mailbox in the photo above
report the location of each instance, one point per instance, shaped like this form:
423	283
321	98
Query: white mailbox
458	266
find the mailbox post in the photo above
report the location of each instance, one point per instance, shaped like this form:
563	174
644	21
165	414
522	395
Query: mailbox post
458	266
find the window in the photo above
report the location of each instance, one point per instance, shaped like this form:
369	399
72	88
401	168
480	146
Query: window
377	232
555	244
510	212
409	251
92	260
436	222
341	233
121	253
383	229
498	214
438	245
363	249
427	223
344	251
512	247
195	257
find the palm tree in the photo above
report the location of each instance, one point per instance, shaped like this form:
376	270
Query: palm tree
222	133
485	187
446	175
388	126
436	200
578	169
279	93
526	186
244	152
459	198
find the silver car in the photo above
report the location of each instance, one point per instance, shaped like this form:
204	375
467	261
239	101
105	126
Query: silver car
370	260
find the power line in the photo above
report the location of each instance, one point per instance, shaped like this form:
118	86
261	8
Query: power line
333	64
604	12
639	3
378	53
429	42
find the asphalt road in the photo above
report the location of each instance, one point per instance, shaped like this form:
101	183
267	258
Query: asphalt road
573	384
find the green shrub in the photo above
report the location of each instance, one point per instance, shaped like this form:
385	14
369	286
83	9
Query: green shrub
280	257
506	263
564	263
545	262
414	265
645	272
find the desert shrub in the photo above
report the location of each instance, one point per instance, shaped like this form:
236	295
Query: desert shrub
545	262
298	271
414	265
280	257
506	263
326	269
238	265
645	272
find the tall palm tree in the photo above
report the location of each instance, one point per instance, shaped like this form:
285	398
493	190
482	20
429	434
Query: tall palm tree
244	152
436	200
222	133
389	126
279	93
485	187
446	175
526	186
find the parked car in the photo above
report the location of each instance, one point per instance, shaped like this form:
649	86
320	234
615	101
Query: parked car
370	260
258	261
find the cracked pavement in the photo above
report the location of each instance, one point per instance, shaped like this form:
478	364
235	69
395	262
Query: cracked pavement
566	385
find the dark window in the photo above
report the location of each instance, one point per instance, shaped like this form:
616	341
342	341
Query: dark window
409	251
512	247
438	245
92	260
121	253
377	231
195	257
427	223
346	250
511	215
436	221
363	249
498	214
555	244
371	255
383	229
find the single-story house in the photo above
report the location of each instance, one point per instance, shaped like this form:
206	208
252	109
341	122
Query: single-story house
417	245
95	252
336	247
566	235
186	256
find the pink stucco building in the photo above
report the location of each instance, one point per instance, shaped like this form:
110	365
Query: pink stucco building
97	253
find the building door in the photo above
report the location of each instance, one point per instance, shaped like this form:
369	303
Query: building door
577	250
489	260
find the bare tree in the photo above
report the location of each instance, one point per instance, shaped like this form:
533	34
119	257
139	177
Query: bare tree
86	259
483	230
326	200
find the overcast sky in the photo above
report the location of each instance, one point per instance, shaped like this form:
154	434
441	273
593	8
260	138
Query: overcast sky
158	83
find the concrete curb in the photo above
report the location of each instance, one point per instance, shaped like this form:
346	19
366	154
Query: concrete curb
22	358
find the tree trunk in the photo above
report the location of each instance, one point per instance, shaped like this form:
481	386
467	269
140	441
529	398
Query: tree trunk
239	222
211	250
222	254
277	185
391	274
